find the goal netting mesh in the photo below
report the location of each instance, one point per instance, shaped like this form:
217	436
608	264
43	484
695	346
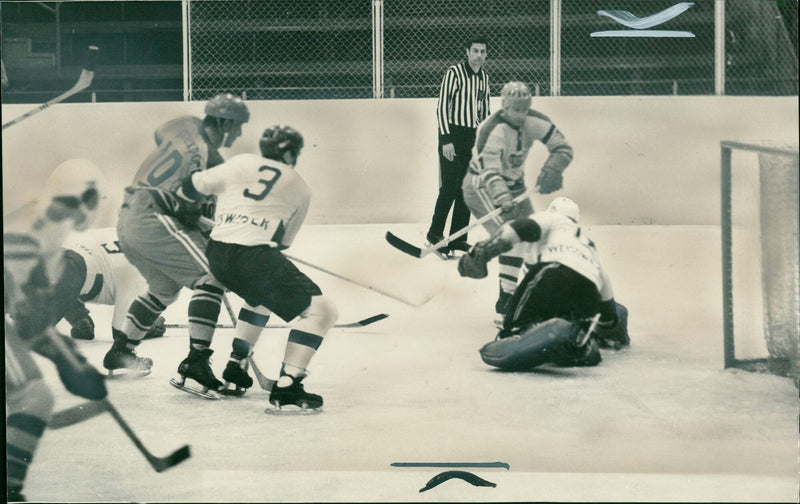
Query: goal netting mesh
761	264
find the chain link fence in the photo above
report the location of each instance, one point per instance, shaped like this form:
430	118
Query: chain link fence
339	49
302	49
281	49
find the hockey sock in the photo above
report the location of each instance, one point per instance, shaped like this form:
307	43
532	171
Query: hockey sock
141	316
251	320
300	348
28	410
241	349
204	309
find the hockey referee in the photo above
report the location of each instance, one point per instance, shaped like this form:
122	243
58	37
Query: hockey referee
463	104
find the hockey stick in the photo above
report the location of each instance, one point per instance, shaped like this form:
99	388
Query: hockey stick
396	297
160	464
74	415
359	323
263	382
418	252
84	81
91	409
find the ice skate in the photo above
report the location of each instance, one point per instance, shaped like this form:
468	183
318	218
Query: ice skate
582	350
236	374
443	252
197	367
123	360
289	397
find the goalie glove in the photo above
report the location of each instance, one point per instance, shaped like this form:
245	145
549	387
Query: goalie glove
613	334
473	263
550	180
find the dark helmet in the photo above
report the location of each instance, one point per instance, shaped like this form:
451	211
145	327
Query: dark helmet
277	140
228	106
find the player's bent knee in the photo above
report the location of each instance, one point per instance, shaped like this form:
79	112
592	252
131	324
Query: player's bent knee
319	317
165	299
535	346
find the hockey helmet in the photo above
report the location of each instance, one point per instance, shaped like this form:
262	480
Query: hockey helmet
228	106
515	92
76	185
277	140
566	207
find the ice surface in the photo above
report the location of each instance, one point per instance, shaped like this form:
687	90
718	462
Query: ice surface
659	421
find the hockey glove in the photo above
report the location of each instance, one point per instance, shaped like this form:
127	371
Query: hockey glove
613	334
473	263
188	213
84	380
550	180
509	208
157	330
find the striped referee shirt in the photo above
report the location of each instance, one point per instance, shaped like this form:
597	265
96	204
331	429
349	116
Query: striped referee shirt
463	99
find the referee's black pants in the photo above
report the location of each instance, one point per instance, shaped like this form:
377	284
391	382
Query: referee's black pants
451	175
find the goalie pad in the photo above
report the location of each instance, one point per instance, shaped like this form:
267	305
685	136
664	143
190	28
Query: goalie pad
553	341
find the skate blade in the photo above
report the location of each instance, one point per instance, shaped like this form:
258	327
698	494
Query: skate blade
290	410
205	394
128	374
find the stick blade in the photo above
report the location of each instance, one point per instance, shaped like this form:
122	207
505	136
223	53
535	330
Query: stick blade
372	319
402	245
171	460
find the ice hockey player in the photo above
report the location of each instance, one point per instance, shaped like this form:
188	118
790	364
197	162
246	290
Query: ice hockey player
261	204
564	306
96	272
160	235
32	254
496	174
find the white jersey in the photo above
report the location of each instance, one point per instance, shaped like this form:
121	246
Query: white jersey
259	201
110	278
563	242
30	240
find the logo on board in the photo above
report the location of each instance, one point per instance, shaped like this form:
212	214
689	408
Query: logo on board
640	27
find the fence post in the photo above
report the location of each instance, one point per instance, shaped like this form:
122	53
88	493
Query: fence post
719	47
555	47
377	48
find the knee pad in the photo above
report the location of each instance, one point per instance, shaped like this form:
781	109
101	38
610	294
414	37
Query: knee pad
319	317
165	299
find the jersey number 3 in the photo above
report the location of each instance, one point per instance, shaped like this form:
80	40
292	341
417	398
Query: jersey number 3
268	184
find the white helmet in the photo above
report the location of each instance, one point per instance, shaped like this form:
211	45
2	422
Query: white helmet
76	184
566	207
515	92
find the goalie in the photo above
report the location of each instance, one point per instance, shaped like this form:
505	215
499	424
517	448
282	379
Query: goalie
563	310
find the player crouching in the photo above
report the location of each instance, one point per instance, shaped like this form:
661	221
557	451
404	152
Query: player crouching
563	310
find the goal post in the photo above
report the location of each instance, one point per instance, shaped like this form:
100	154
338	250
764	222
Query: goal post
760	260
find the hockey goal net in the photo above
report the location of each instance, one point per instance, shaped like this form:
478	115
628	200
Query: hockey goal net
760	261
